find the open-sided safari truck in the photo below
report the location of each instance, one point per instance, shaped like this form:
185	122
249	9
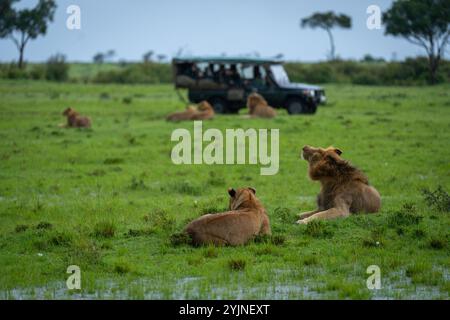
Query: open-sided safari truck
225	82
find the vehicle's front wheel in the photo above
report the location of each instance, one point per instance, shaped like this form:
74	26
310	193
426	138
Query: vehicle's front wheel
298	106
219	105
295	106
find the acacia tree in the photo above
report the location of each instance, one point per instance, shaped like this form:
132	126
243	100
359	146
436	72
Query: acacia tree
110	54
147	57
327	21
425	23
21	26
161	57
99	58
6	17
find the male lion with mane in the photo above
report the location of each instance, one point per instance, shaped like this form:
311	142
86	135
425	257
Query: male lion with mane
258	107
247	218
345	189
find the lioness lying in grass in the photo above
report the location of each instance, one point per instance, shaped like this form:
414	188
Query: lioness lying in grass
247	218
345	189
74	120
203	111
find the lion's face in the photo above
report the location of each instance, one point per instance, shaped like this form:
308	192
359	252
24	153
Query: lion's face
242	198
255	99
68	111
314	155
204	106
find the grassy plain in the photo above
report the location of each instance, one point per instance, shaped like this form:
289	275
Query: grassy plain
108	199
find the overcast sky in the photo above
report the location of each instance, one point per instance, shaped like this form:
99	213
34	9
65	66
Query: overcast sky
213	27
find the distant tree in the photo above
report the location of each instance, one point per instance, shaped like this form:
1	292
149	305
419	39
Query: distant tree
279	56
147	57
99	58
23	25
369	58
110	54
327	21
161	57
425	23
7	16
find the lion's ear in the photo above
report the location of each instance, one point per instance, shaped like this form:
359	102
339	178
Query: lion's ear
252	190
338	151
231	192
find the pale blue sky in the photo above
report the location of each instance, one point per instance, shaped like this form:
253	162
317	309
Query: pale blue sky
200	27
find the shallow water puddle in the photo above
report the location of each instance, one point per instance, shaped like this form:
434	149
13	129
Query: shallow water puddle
198	288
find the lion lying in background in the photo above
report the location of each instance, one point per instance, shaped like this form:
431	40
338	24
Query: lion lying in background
258	107
246	219
203	111
345	189
74	120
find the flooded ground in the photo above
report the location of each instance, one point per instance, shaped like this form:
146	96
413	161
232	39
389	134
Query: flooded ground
194	288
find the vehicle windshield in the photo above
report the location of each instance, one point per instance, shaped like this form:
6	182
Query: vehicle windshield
279	74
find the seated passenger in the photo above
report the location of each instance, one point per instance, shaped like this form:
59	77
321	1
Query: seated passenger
233	77
221	73
257	80
209	71
193	72
207	79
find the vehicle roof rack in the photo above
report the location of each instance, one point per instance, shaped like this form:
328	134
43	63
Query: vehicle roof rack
232	60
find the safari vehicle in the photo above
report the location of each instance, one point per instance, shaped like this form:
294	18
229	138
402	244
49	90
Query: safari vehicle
225	82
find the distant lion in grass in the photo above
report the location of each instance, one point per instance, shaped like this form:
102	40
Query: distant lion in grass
182	115
258	107
345	189
203	111
246	219
74	120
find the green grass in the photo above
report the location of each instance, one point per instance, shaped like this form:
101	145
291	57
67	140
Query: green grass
89	70
110	200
